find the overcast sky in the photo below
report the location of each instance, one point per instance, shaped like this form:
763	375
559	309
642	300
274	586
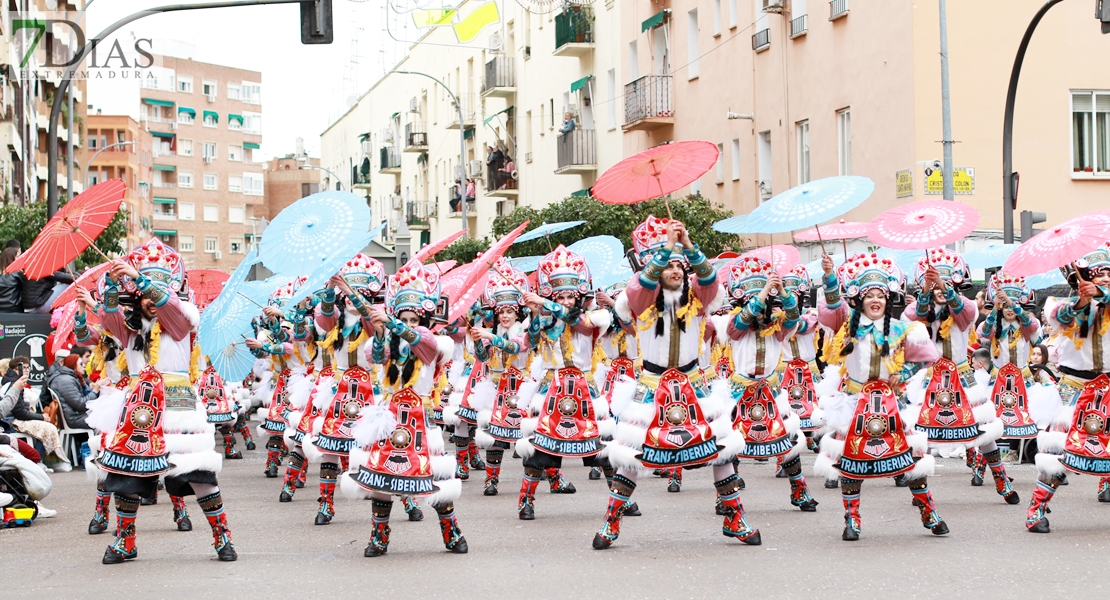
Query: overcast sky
304	88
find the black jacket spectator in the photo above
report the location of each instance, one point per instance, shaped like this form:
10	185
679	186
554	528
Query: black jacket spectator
20	411
73	393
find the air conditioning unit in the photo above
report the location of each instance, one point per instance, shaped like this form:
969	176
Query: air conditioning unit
496	42
211	98
217	255
173	125
398	202
431	207
414	104
208	160
418	139
476	169
387	135
774	6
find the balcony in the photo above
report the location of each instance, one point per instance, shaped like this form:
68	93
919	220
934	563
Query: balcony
499	81
798	27
164	216
761	40
362	176
416	216
574	31
390	161
647	104
469	112
837	9
164	184
576	150
416	137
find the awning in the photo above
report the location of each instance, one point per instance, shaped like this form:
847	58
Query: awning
215	115
653	21
163	134
251	146
490	118
182	109
165	232
153	102
169	168
394	116
365	136
581	83
158	200
581	193
468	133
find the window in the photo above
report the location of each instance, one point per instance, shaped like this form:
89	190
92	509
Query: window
210	181
731	14
233	91
211	243
210	120
736	159
185	84
238	214
611	86
234	152
237	245
92	140
633	62
252	184
234	183
185	243
763	141
184	118
164	210
185	179
692	44
252	123
844	141
307	189
208	88
251	93
716	17
720	163
209	151
802	132
234	124
211	212
247	155
1090	133
186	211
185	147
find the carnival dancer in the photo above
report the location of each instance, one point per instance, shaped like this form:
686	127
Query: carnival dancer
1079	438
162	429
406	452
567	406
621	359
877	354
219	407
505	352
954	402
344	323
304	364
476	394
274	343
757	332
666	418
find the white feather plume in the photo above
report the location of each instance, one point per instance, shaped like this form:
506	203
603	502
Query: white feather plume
375	423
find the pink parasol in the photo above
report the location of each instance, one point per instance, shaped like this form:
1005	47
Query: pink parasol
656	172
782	258
206	284
462	287
88	280
65	322
429	251
444	266
923	225
1060	245
844	230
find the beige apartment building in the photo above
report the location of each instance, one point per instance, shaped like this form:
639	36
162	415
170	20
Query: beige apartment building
852	87
207	184
289	179
123	149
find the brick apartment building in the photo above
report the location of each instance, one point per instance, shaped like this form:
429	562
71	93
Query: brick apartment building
109	135
289	180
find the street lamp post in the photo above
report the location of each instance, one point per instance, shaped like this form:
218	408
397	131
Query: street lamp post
69	117
85	169
304	165
462	143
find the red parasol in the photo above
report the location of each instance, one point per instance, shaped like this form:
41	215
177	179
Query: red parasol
461	286
206	284
89	280
844	230
429	251
65	321
656	172
923	225
782	258
1063	244
72	230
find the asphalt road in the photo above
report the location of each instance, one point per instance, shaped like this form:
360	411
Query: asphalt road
675	550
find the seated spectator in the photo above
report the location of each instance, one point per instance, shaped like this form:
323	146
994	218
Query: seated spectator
68	382
1039	356
456	196
8	399
25	420
470	190
505	174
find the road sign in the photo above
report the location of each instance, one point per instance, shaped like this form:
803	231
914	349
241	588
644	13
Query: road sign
963	181
903	183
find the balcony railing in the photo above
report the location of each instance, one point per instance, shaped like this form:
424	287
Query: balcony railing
164	184
577	149
499	74
416	135
837	9
415	214
648	97
469	106
761	40
390	158
575	25
798	26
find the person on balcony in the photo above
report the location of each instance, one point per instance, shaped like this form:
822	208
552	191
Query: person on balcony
568	124
505	176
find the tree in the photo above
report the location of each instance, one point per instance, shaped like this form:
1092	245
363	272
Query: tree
24	223
463	250
617	220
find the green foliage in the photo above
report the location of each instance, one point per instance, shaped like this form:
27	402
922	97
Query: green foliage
617	220
463	250
24	223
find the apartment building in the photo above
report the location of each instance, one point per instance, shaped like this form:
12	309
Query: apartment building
207	184
844	87
289	179
119	147
399	144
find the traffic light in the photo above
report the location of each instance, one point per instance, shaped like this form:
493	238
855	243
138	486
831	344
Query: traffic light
316	22
1028	220
1102	13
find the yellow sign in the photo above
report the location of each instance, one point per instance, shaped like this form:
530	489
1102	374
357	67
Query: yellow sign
963	181
903	183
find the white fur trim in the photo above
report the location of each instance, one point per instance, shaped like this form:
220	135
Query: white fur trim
484	417
104	412
525	448
1051	442
300	388
601	319
536	403
350	489
1049	464
325	393
445	347
455	372
624	391
188	443
796	450
435	441
449	491
601	373
915	388
985	413
837	410
718	300
483	439
638	413
528	426
918	441
832	448
443	467
291	429
720	329
375	423
910	415
209	460
991	432
623	310
621	457
1064	418
1044	403
630	435
185	421
451	415
792	423
719	401
317	425
190	311
93	472
607	428
977	394
824	467
483	396
924	468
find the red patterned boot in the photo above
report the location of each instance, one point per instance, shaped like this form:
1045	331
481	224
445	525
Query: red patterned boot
525	504
379	535
923	500
213	507
620	491
99	522
449	527
1001	481
734	524
180	515
799	492
123	548
1035	519
558	484
329	473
